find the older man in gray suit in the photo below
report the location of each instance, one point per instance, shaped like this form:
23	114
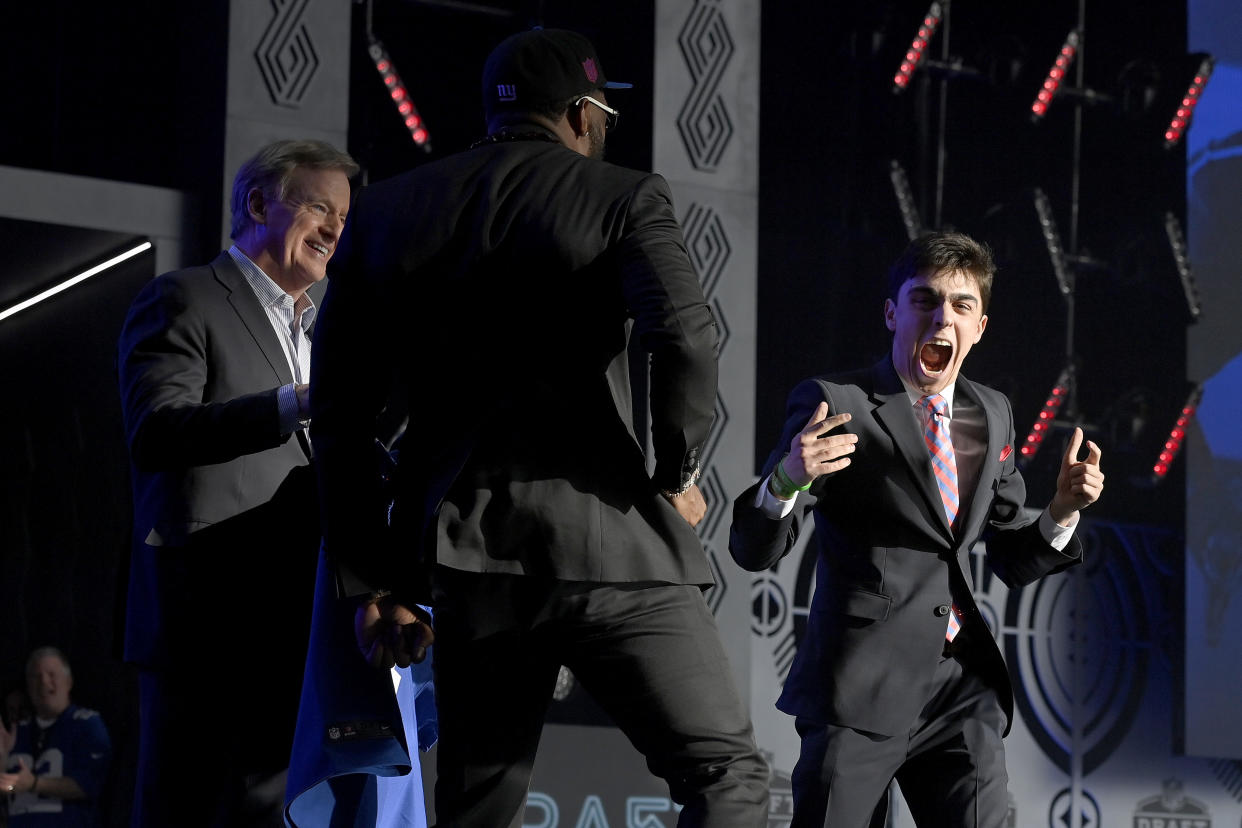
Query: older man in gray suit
214	370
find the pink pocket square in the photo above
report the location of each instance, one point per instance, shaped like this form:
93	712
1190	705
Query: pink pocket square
1005	452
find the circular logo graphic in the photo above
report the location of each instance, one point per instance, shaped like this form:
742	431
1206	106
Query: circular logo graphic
1078	644
769	606
1060	813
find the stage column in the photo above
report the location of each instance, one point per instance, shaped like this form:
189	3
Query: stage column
707	145
288	77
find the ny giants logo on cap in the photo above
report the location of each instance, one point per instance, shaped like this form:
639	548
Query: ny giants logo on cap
506	91
592	73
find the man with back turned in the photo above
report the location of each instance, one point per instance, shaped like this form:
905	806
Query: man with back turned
515	273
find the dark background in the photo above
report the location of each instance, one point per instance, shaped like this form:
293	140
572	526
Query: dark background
131	91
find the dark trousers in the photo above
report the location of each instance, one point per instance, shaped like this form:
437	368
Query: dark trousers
218	700
214	744
950	767
650	655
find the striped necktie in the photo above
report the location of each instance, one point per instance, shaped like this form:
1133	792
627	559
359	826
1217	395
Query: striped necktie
944	465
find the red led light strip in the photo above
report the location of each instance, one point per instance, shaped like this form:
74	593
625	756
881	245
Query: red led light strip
1181	120
918	48
1177	435
1043	423
1056	75
400	95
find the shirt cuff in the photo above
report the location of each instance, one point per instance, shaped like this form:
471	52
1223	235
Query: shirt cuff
771	505
287	409
1055	534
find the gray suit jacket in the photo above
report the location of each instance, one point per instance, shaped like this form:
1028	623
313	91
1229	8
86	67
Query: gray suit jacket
220	495
889	564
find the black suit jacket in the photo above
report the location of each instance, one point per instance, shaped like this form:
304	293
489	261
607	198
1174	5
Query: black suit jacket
889	565
224	503
498	288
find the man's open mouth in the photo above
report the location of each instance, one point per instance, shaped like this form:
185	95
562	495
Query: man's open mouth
934	356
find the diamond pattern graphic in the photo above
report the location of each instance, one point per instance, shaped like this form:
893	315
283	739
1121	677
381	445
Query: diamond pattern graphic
286	55
718	502
715	595
704	122
717	430
707	243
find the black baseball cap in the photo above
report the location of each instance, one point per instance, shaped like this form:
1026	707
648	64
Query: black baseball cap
541	66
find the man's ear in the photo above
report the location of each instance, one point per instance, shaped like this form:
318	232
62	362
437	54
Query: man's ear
575	113
890	315
256	206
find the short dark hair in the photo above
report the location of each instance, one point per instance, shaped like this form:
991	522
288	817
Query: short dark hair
935	253
274	164
552	110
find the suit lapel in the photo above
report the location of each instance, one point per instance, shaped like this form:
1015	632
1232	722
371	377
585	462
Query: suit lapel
252	315
897	416
989	467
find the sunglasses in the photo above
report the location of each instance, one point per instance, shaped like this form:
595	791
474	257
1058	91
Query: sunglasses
613	115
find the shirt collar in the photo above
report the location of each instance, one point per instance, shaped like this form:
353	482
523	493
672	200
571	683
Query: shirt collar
268	292
915	395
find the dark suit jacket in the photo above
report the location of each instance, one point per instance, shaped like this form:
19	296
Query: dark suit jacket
224	504
500	286
889	565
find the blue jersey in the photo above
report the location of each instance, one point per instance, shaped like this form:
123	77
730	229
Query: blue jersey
76	745
355	759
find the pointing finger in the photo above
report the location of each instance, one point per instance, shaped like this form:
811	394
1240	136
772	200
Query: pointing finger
1071	454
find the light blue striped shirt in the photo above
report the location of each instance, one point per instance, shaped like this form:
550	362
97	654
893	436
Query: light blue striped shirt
291	322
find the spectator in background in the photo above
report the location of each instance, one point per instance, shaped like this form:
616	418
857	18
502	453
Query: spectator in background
57	759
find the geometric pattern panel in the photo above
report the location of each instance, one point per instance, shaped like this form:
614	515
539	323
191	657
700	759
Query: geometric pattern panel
703	121
716	595
1229	772
719	423
707	243
286	55
718	500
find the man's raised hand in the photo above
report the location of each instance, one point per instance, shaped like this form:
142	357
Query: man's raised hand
1079	483
814	451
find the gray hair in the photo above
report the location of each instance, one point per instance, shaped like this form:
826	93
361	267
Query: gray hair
43	652
274	165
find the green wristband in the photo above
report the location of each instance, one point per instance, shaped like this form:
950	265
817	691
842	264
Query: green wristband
777	490
786	487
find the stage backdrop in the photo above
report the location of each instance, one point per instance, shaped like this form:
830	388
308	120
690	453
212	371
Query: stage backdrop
1120	719
1214	473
